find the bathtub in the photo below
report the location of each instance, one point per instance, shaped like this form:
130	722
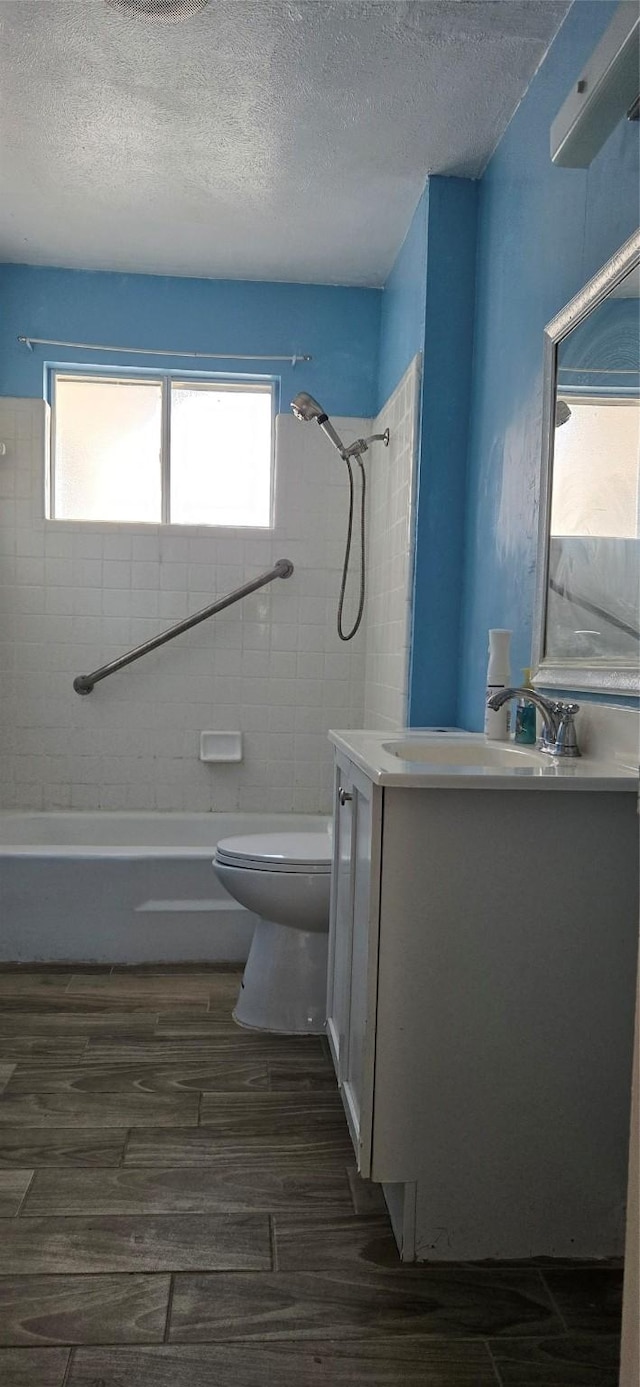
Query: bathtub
124	888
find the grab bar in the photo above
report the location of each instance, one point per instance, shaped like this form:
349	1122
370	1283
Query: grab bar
84	683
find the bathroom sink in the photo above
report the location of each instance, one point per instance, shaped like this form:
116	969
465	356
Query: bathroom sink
452	759
462	753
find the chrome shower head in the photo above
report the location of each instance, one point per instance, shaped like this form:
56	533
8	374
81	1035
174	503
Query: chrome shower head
306	408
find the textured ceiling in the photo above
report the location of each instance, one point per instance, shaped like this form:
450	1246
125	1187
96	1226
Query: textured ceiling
257	140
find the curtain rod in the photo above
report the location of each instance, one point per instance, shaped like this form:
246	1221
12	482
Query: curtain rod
31	342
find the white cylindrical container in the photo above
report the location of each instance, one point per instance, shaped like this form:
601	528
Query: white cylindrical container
497	724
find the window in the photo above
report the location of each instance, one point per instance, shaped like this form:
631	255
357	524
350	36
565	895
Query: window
161	450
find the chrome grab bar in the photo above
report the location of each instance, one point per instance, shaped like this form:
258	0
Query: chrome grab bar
84	683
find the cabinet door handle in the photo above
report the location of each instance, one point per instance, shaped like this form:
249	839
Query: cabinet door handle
344	796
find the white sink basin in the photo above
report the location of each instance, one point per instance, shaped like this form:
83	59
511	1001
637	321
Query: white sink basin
463	753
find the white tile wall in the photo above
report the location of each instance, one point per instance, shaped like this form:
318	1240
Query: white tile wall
74	596
392	486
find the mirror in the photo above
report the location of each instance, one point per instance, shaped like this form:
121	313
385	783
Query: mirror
587	624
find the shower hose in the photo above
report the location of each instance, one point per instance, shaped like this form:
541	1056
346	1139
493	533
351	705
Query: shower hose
348	635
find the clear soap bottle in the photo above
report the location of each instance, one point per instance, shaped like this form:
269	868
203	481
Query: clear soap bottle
526	730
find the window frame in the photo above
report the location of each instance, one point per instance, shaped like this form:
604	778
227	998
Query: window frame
166	380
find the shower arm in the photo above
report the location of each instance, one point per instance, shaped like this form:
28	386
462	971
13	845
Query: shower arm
361	445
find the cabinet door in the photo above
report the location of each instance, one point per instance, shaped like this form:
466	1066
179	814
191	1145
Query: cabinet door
341	921
360	1003
353	947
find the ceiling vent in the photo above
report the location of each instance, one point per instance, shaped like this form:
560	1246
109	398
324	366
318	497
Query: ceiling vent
161	11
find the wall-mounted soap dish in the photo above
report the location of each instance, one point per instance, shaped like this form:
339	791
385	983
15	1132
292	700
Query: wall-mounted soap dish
220	746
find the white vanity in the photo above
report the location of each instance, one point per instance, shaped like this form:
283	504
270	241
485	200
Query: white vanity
482	960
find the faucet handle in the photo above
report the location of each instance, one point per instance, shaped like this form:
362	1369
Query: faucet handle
566	739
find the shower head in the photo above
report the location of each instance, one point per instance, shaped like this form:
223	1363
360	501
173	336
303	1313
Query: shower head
164	11
306	408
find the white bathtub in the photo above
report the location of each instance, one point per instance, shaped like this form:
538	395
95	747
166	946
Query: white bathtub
123	888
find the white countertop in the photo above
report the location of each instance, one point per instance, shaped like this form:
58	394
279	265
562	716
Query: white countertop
538	771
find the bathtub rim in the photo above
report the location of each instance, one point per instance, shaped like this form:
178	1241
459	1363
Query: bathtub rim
131	851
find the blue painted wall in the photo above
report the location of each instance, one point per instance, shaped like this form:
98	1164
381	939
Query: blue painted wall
427	307
338	326
402	320
542	232
441	504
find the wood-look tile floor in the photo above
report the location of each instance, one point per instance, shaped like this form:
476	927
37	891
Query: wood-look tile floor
179	1208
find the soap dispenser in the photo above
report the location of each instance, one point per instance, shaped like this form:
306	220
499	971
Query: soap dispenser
497	721
526	728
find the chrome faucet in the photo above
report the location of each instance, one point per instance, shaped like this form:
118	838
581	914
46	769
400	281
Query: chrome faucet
558	728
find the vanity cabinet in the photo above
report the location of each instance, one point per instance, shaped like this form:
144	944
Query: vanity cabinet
482	956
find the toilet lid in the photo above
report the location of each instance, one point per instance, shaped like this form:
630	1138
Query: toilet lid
277	852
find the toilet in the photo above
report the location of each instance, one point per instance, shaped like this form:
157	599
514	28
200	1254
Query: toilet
285	879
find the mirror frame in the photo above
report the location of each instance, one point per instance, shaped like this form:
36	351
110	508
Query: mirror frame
580	675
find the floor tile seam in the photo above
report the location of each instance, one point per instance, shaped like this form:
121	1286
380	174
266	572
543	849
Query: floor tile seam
106	1126
169	1270
399	1271
493	1363
332	1211
19	1211
85	1075
129	1345
354	1342
9	1219
341	1332
167	1319
553	1301
177	1165
67	1372
88	1275
154	1214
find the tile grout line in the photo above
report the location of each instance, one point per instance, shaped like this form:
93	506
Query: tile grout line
554	1302
167	1322
493	1363
68	1368
20	1207
273	1242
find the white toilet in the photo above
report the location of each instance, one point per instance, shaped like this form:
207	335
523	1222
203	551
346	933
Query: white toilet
285	879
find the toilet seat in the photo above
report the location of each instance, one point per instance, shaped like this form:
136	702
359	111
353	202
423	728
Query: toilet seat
308	853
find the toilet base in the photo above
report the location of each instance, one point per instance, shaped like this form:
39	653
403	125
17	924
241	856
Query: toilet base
284	988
